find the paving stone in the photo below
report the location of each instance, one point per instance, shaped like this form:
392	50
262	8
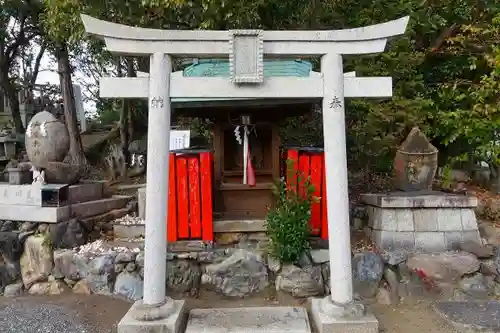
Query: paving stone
249	320
471	316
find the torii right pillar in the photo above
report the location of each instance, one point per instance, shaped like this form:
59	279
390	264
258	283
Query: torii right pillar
337	312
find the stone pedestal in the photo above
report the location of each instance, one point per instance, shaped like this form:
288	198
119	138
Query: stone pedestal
423	221
173	321
352	318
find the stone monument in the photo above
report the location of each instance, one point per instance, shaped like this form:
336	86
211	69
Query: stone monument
418	218
416	162
47	144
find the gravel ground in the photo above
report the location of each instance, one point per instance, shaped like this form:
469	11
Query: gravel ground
61	314
72	313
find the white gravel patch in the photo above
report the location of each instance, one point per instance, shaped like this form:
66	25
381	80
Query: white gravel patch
128	220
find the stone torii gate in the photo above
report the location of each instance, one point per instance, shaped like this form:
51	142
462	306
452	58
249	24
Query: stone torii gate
246	50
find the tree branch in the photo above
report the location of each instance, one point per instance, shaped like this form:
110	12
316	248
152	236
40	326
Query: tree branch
443	36
36	68
12	49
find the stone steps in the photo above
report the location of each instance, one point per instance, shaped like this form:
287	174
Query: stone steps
59	214
220	226
96	207
85	192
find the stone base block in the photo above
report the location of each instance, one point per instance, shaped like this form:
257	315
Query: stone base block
34	214
129	230
388	240
419	199
330	324
141	202
172	324
249	320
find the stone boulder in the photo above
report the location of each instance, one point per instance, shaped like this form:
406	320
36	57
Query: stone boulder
183	277
125	257
241	274
70	265
367	272
129	285
49	288
11	245
101	274
300	282
477	286
13	290
47	139
36	261
9	273
7	226
100	283
445	266
68	234
479	250
103	264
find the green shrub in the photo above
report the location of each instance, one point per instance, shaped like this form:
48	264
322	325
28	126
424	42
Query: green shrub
288	221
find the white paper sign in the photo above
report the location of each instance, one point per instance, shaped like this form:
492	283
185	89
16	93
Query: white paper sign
179	139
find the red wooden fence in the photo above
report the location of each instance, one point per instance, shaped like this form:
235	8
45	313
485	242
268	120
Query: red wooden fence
310	163
190	196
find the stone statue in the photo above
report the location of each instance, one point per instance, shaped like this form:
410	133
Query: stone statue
38	176
47	144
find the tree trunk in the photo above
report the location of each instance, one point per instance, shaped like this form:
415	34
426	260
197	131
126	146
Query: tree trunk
125	112
10	93
76	155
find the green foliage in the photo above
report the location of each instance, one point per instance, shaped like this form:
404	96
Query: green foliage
288	221
446	177
445	68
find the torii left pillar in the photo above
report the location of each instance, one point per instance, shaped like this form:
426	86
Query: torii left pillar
156	312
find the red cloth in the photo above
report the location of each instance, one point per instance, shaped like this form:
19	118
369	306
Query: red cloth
250	171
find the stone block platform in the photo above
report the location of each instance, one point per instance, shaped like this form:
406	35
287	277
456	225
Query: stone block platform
423	221
249	320
54	203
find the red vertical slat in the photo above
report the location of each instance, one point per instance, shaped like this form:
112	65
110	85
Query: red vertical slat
324	211
194	197
206	196
316	177
291	169
182	197
304	162
172	201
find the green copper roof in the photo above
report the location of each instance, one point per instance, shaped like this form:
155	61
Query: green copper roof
220	68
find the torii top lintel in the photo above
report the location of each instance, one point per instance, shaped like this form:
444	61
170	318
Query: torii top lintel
124	39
